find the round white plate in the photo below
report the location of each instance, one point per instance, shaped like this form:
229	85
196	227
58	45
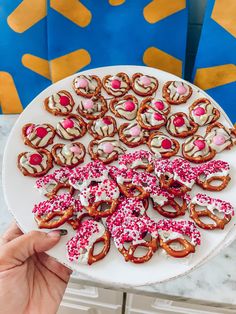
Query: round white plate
21	195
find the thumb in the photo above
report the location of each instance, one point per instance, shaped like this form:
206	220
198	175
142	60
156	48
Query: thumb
16	252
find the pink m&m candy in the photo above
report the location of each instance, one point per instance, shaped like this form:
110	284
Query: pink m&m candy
166	143
181	89
178	121
146	81
129	105
159	105
82	83
108	148
35	159
135	131
158	116
218	140
88	104
67	123
199	111
106	120
41	132
64	100
200	144
115	84
30	129
76	150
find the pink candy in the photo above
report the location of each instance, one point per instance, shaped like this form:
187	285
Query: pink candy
41	132
64	100
135	131
88	104
200	144
166	144
158	116
115	84
218	140
181	90
82	83
129	105
108	148
35	159
146	81
67	123
30	129
178	121
159	105
76	150
199	111
106	121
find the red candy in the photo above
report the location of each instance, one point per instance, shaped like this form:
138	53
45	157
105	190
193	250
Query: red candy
64	100
199	111
158	116
200	144
159	105
178	121
106	121
166	144
35	159
67	123
41	132
129	105
115	84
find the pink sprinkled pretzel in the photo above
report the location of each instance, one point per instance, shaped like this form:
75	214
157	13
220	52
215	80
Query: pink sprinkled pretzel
140	159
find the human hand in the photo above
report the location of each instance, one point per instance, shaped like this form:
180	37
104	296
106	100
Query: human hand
31	282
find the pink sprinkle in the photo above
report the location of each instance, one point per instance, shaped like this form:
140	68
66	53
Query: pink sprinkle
218	140
108	148
199	111
115	84
200	144
135	131
181	89
129	105
67	123
81	83
146	81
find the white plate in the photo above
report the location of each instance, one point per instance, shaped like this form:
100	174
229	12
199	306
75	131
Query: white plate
21	196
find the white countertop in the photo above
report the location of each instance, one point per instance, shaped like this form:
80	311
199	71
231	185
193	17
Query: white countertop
213	283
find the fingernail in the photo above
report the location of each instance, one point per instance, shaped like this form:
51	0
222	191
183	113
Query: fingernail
57	233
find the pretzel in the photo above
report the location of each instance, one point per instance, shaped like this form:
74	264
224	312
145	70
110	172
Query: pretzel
179	125
149	119
106	150
210	204
35	164
95	209
50	184
132	135
80	248
102	127
174	232
93	108
160	143
68	155
219	137
125	107
38	136
215	170
158	105
140	159
71	128
196	149
144	85
63	206
87	85
60	103
203	112
117	85
176	92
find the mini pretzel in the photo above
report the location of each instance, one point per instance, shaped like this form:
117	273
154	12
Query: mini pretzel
210	204
35	164
50	184
93	109
71	128
38	136
144	85
203	112
160	143
181	229
150	119
125	107
62	206
60	103
80	248
103	127
176	92
158	105
87	85
132	135
219	137
68	155
117	85
107	149
179	125
215	170
196	149
140	159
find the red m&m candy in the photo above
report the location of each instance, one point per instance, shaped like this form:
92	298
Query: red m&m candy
106	120
64	100
67	123
41	132
115	84
35	159
178	121
200	144
158	116
129	105
159	105
166	144
199	111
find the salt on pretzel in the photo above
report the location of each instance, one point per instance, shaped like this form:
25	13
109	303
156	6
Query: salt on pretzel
125	107
38	136
132	135
140	159
176	92
203	112
87	85
71	127
144	85
103	127
179	125
210	205
213	171
60	103
158	105
93	108
149	119
117	85
173	235
160	143
81	247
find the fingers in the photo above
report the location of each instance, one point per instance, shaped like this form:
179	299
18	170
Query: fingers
17	251
11	233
